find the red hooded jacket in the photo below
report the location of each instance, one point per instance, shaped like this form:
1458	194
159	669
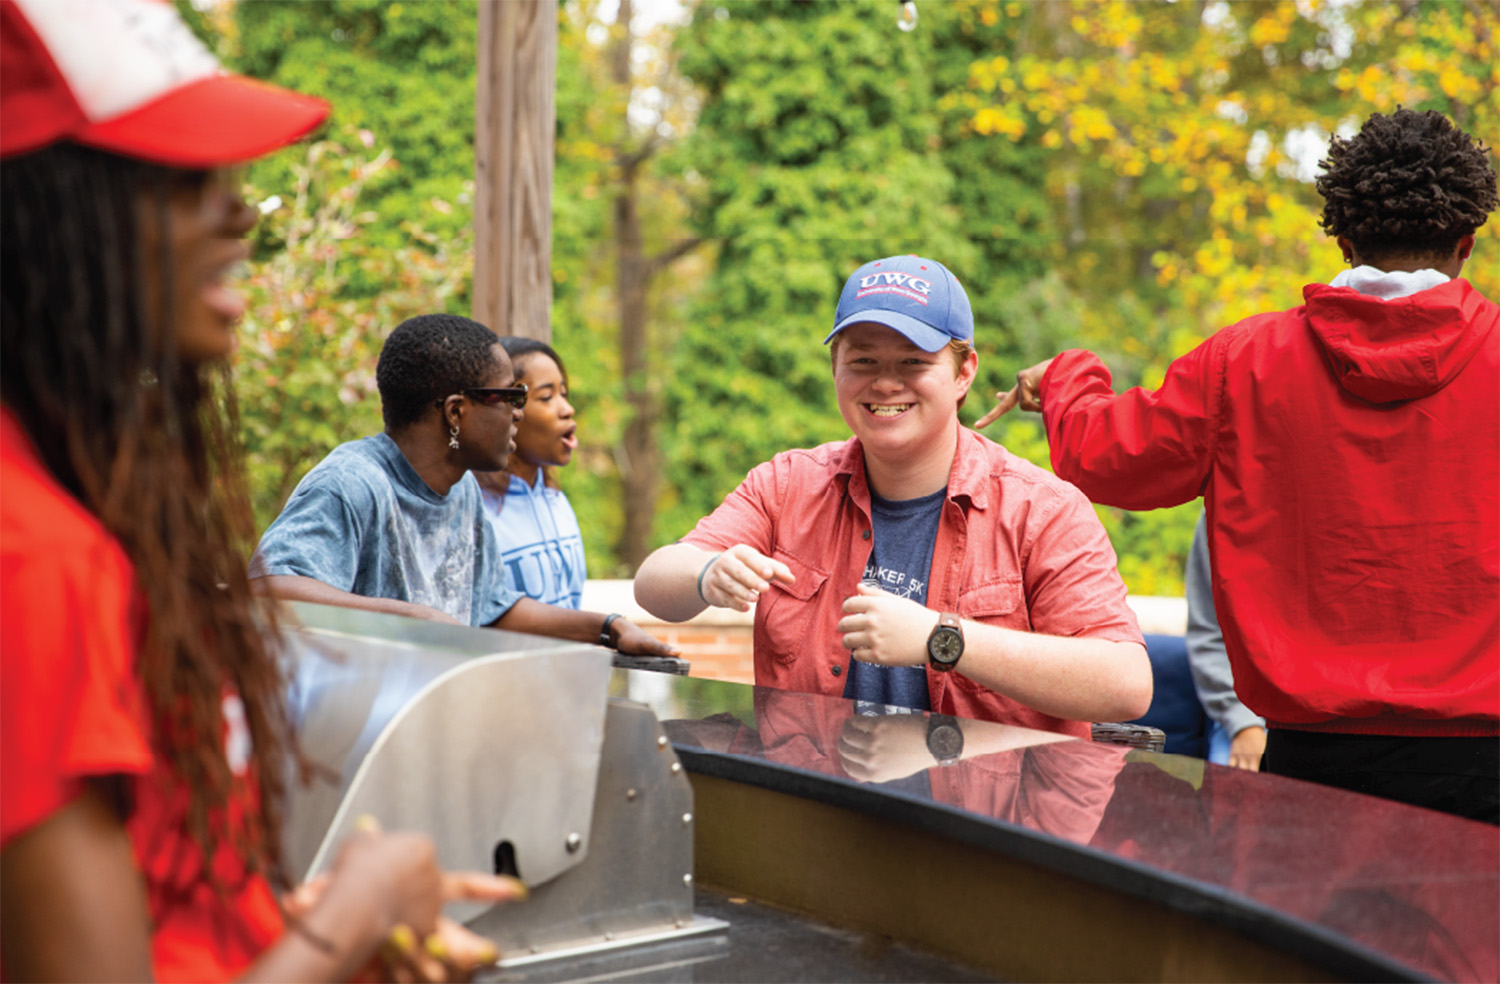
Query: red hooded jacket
1349	454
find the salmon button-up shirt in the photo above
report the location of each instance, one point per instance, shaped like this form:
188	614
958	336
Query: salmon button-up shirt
1016	547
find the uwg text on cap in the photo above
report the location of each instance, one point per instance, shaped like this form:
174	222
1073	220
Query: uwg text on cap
918	297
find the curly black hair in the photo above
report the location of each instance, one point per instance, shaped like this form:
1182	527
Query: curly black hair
427	358
1408	184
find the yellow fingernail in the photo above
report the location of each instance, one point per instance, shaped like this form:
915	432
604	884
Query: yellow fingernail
488	954
437	947
522	891
367	824
403	938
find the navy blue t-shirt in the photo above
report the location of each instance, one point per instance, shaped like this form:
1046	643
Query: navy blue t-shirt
900	561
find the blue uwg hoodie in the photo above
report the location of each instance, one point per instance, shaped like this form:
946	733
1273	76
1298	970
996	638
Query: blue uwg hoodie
541	547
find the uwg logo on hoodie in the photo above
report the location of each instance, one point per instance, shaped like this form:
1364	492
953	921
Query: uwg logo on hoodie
904	284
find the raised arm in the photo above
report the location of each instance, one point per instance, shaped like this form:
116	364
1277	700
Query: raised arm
1141	449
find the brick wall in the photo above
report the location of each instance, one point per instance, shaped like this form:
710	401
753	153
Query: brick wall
720	652
717	642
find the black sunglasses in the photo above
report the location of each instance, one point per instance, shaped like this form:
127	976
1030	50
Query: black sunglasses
495	395
514	395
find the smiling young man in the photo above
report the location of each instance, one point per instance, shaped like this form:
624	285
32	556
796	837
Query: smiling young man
394	522
997	595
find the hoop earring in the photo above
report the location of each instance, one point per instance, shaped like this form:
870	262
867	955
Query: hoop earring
453	438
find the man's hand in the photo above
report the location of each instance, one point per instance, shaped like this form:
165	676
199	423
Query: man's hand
879	749
632	640
737	577
879	627
1246	749
1025	394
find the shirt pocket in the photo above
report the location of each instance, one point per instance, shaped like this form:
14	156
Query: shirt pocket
1001	603
786	615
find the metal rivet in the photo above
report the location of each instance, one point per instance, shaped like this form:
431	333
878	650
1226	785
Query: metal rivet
680	923
631	794
687	879
534	949
835	669
865	535
574	842
661	741
687	818
676	768
608	937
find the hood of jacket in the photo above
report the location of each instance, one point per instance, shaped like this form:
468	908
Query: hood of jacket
1400	349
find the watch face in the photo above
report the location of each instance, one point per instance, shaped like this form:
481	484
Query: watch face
946	645
945	742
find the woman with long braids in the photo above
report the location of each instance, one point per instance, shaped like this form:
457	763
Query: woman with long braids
143	735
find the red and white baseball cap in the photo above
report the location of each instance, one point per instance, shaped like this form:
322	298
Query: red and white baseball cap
129	77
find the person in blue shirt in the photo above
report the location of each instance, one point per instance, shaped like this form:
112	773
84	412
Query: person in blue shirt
393	523
541	546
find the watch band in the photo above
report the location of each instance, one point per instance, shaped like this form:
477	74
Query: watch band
604	637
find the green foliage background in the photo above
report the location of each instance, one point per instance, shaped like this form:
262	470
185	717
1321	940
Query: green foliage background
1073	162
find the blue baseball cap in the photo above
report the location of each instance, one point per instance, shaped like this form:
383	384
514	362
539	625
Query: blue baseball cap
918	297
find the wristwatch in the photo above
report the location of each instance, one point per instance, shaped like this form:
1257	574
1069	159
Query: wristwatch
945	740
606	638
946	644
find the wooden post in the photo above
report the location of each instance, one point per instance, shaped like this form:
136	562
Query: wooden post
516	117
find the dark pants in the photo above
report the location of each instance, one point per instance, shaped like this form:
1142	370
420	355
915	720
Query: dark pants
1455	775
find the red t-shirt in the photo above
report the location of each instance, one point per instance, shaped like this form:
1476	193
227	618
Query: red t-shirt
71	708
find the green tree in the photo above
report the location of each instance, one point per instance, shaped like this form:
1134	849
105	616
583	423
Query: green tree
361	229
305	369
401	74
401	79
1176	141
819	149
